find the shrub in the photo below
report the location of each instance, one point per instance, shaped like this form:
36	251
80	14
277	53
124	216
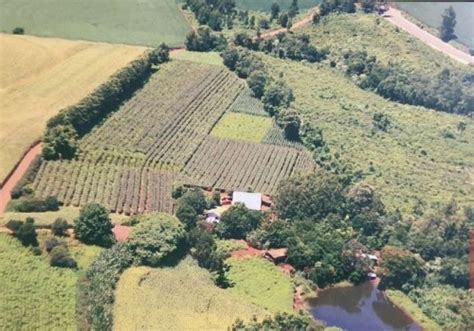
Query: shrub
93	226
204	40
14	225
281	321
27	234
30	205
187	215
18	30
59	227
157	239
194	198
59	257
22	188
51	243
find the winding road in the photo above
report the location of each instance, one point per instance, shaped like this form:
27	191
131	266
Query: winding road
395	17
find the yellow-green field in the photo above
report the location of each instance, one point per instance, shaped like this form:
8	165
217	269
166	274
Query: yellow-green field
33	295
201	57
260	282
39	77
47	218
179	298
414	159
240	126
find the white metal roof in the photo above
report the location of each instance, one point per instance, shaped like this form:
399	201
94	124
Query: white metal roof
250	200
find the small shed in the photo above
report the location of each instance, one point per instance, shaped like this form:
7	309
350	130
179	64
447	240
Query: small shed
250	200
277	255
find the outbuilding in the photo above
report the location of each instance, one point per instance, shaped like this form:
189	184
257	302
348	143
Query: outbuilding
276	255
250	200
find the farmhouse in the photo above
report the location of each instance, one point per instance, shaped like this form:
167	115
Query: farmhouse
250	200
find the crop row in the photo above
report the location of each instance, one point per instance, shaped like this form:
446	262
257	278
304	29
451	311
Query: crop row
275	136
248	104
227	164
121	184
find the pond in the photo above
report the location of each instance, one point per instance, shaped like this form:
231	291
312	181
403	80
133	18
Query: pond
361	307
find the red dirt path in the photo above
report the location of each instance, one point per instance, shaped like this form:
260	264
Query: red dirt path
16	175
395	17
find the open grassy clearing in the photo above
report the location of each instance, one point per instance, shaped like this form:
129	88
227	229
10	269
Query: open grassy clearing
213	58
262	283
179	298
414	159
430	14
244	127
34	296
357	32
136	22
47	218
161	136
39	77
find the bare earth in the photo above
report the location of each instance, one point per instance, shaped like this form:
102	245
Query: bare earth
394	16
39	77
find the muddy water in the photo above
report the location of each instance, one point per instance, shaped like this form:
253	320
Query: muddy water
361	307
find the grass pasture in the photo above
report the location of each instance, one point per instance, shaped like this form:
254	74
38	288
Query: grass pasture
200	57
179	298
33	295
240	126
136	22
39	77
260	282
413	160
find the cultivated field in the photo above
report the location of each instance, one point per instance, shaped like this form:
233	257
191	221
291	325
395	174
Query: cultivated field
179	298
162	136
35	296
238	126
39	77
135	22
414	159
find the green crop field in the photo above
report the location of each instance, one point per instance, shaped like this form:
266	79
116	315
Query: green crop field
34	296
244	127
265	5
137	22
414	159
199	57
179	298
262	283
430	13
357	32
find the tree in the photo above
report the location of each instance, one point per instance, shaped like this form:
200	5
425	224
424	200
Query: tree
194	198
157	239
446	30
187	215
312	137
310	197
204	250
27	234
60	257
59	227
294	10
93	226
204	40
281	321
160	54
401	269
283	20
290	121
275	11
60	142
367	5
264	24
18	30
277	96
238	221
257	82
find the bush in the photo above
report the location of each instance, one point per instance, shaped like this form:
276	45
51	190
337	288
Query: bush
18	30
14	225
22	187
257	82
194	198
93	226
187	215
59	227
159	55
51	243
281	321
27	234
59	257
204	40
157	239
31	205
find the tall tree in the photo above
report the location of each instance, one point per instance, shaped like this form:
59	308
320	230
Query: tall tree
93	226
275	11
446	30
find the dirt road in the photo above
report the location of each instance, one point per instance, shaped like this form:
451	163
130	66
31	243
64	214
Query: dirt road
16	175
395	17
307	20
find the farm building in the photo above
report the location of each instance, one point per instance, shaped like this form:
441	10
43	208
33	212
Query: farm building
276	255
214	215
250	200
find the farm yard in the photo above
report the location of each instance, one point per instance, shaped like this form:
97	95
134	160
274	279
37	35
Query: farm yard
35	84
175	129
172	305
135	22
